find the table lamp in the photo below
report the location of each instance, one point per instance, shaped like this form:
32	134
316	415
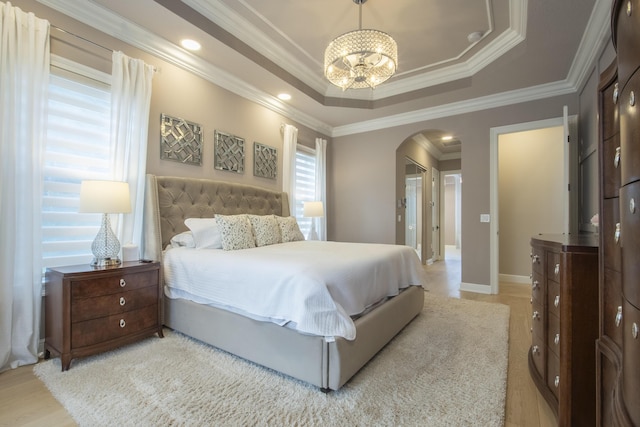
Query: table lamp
312	210
105	197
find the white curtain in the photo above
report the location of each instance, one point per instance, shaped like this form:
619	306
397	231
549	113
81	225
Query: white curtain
321	185
24	81
130	105
290	140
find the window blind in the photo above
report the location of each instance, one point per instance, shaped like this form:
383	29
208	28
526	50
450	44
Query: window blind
305	184
77	148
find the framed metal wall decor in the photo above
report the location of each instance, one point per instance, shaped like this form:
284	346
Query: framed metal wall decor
180	140
265	161
229	152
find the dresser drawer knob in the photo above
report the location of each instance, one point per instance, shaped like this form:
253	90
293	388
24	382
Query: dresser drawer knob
123	283
632	205
616	93
619	316
556	339
556	382
535	285
616	235
122	301
535	259
536	315
629	8
556	270
634	330
122	323
535	349
556	301
616	158
632	98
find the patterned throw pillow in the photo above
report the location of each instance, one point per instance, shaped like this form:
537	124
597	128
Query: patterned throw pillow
236	232
289	229
265	229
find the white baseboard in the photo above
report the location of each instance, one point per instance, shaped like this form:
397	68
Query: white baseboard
512	278
474	287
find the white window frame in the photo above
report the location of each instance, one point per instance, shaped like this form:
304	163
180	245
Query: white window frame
305	184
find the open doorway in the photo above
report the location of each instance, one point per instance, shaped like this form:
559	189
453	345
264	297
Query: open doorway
414	205
451	213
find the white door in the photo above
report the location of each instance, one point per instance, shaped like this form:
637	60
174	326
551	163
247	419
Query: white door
435	214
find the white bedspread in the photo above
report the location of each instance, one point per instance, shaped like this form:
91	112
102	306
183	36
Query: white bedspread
312	286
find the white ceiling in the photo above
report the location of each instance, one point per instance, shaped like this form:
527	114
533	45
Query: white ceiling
259	48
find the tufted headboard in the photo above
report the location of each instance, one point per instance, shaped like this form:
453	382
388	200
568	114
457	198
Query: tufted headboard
169	200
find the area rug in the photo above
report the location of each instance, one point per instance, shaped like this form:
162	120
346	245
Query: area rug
447	368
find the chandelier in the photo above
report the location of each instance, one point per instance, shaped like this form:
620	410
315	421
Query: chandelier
361	58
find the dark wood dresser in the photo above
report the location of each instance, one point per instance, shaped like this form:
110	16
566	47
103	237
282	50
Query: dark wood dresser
564	299
618	345
90	310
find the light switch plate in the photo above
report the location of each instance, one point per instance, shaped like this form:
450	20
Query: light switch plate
485	218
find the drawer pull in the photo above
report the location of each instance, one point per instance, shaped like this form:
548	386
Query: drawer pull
556	301
123	283
556	339
632	205
632	98
634	330
535	285
619	316
556	382
556	270
536	315
616	93
535	259
122	323
535	349
616	235
122	301
616	158
629	8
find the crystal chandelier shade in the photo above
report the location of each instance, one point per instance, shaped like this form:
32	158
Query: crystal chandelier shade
360	59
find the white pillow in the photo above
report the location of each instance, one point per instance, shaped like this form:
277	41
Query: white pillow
265	229
236	232
206	232
184	239
289	229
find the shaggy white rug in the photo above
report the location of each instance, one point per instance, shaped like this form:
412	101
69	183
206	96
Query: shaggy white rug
447	368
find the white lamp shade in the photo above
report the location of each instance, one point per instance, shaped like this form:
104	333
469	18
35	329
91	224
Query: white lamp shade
312	209
104	197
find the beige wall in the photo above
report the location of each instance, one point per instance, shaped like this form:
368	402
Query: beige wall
531	193
364	185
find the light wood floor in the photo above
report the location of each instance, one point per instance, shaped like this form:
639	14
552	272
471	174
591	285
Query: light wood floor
25	401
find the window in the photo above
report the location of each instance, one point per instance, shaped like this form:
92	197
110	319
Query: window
305	184
77	148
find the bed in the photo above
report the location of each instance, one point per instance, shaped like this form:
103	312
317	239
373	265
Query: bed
321	359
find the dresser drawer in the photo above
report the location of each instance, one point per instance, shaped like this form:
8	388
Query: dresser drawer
537	260
100	330
537	320
630	360
553	374
554	266
627	37
609	110
112	284
612	306
630	131
611	166
553	335
537	291
106	305
553	298
610	224
538	355
606	386
630	241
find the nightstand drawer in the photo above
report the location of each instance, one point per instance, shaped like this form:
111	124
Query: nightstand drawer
118	325
112	284
106	305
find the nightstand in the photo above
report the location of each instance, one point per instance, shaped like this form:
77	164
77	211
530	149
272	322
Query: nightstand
90	310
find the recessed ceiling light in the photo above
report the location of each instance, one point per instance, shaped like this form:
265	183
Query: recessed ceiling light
447	138
475	36
284	96
190	44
